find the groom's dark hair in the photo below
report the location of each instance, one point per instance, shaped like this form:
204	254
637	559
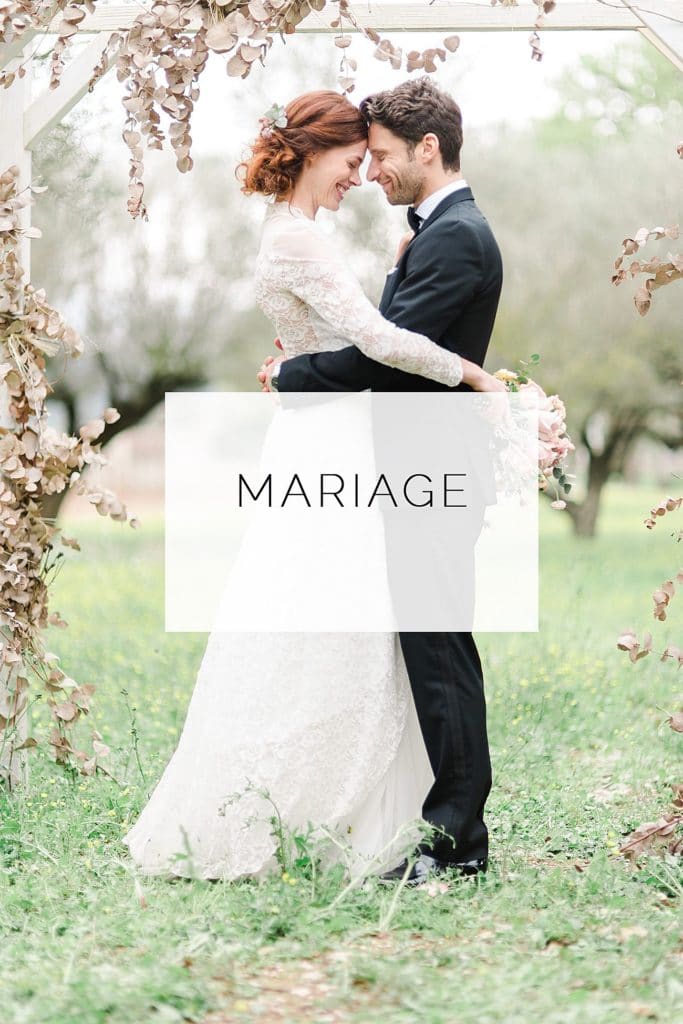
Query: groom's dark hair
412	109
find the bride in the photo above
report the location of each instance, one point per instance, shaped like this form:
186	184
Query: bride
320	726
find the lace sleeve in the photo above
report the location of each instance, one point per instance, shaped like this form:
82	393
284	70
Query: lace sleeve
309	267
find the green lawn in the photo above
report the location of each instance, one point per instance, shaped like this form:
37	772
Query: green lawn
561	929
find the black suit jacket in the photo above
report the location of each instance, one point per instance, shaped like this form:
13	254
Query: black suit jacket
446	286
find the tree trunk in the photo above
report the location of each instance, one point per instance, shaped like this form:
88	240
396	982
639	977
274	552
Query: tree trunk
625	429
584	516
50	504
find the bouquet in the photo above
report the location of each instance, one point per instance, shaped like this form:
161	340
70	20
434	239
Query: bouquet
554	443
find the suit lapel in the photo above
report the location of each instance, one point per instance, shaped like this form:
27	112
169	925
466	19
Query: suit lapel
458	196
393	280
390	284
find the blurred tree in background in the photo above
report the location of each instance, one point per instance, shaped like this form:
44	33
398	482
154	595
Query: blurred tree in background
561	197
156	314
632	88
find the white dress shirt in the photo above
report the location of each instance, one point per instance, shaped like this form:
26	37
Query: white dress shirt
428	205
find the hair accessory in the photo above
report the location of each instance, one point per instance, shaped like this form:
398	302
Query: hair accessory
273	118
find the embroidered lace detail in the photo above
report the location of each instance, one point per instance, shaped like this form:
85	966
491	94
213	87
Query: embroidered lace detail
317	304
323	721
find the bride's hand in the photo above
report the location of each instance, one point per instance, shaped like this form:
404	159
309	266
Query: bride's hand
480	380
261	375
403	245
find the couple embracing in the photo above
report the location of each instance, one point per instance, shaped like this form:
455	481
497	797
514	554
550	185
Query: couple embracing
358	732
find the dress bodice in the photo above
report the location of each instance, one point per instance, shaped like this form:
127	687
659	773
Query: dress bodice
317	304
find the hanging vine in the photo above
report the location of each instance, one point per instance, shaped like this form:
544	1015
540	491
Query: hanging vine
161	56
35	461
664	835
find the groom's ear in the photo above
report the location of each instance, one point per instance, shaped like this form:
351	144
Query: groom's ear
431	149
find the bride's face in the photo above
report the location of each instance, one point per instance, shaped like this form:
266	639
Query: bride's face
332	173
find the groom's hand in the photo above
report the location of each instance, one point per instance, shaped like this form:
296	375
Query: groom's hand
267	367
266	371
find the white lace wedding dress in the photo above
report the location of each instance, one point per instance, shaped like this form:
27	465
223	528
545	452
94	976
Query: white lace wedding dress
324	722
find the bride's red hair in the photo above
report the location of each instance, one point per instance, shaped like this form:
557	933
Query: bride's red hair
316	121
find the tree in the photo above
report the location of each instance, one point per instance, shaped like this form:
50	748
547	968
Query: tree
557	207
154	316
631	88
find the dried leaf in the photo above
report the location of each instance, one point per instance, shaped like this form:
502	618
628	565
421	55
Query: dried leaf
673	652
92	429
237	66
66	711
219	38
257	10
629	642
27	744
249	53
675	721
652	837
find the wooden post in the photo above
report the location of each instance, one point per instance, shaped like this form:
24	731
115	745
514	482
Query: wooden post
14	763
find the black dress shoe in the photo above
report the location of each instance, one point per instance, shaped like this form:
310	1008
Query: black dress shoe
471	867
422	871
426	868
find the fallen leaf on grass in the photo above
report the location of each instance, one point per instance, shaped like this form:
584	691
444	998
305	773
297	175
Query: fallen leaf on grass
676	721
654	837
553	945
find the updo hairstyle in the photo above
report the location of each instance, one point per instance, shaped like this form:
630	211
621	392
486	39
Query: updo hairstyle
316	121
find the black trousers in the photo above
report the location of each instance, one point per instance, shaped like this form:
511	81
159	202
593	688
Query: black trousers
448	687
431	573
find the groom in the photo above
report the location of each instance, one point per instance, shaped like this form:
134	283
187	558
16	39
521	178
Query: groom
446	285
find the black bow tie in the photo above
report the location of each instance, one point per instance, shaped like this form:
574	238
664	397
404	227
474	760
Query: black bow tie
414	219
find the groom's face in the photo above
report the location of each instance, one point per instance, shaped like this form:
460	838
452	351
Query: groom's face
393	166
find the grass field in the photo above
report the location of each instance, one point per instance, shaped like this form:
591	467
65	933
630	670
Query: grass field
560	930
